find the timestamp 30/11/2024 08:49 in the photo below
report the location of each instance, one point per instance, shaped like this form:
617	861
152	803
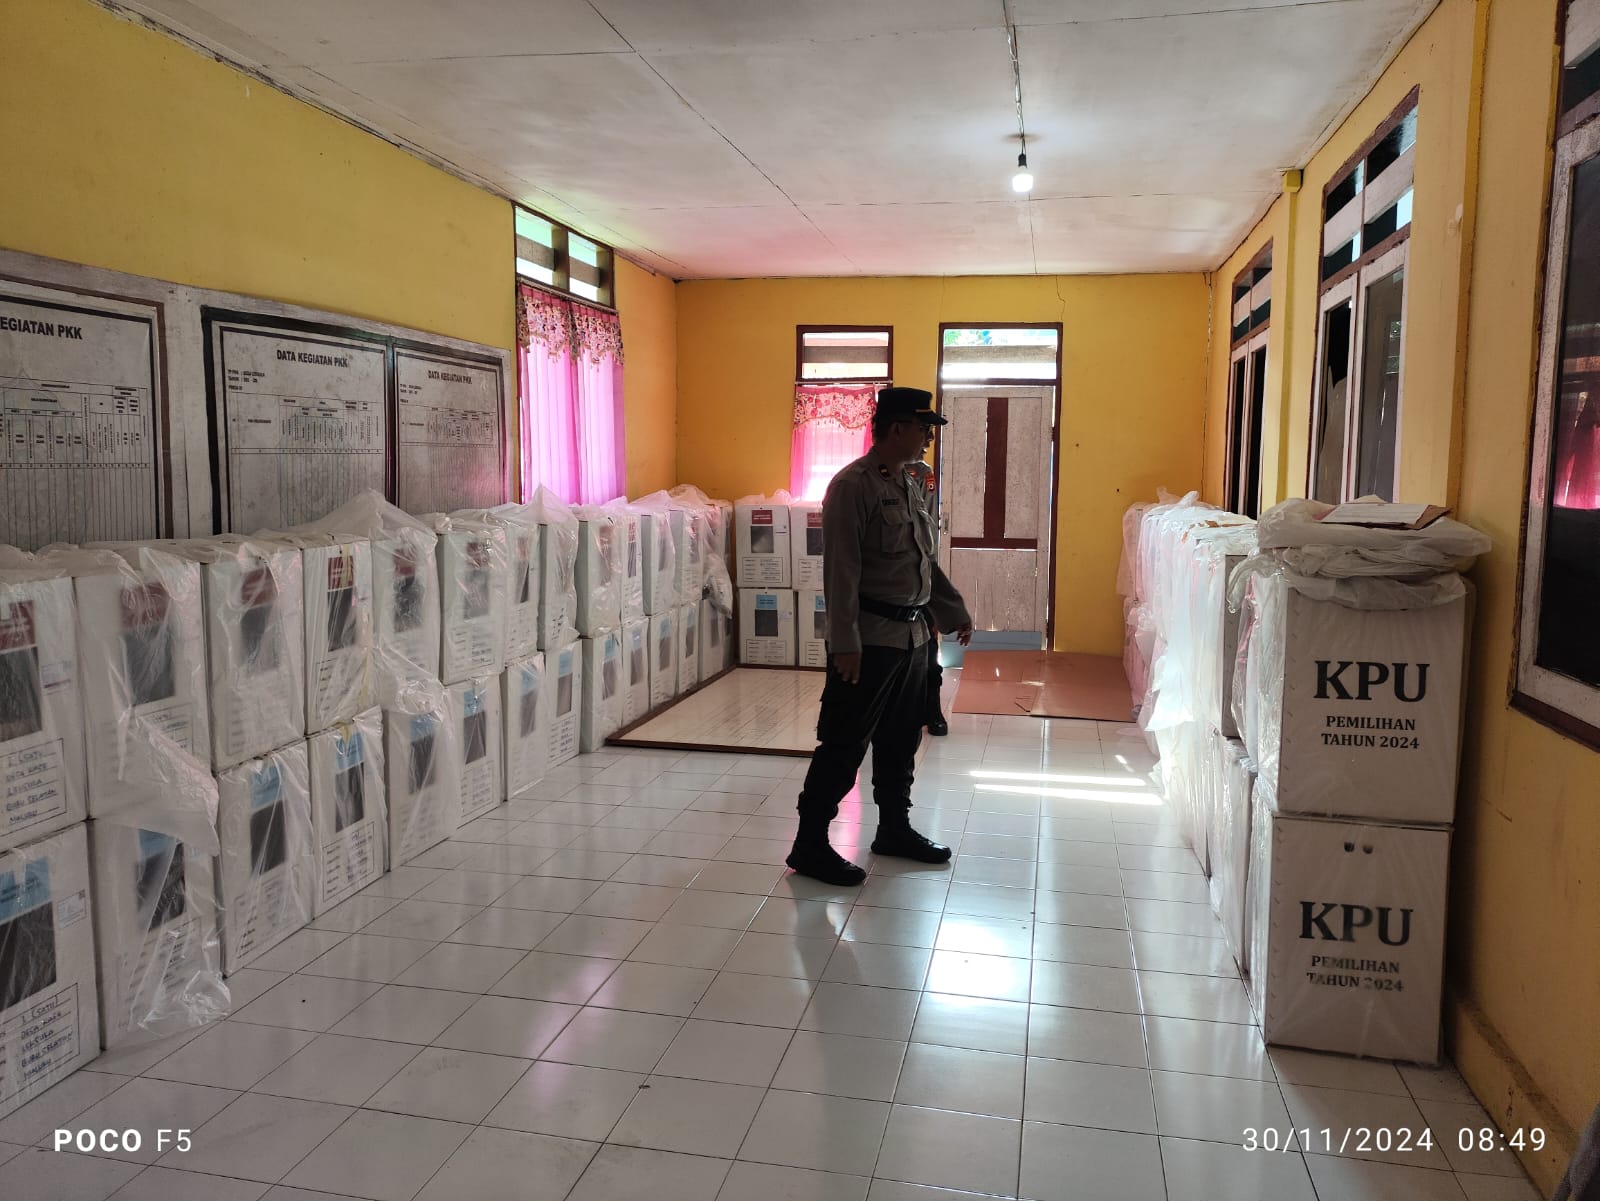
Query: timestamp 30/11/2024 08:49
1356	1140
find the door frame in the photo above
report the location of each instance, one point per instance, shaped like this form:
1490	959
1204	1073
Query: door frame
1055	437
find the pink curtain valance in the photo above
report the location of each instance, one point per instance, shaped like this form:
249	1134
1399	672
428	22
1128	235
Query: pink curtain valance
847	405
561	325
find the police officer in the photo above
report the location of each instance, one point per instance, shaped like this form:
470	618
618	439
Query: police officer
922	481
883	591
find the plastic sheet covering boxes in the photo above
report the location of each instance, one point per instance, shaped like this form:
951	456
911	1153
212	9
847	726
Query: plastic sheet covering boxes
523	582
473	570
599	576
805	535
1230	848
159	950
269	853
811	618
661	529
526	706
49	1013
688	647
663	639
716	640
1348	933
475	708
630	556
41	719
558	556
636	657
422	760
762	544
766	627
348	808
604	681
405	592
338	631
566	671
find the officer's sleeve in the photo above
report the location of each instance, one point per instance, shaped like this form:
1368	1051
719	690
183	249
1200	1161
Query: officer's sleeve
844	518
949	609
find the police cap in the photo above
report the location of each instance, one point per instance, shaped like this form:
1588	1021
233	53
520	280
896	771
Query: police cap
908	404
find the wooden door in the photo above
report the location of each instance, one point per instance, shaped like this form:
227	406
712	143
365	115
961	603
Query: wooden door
996	460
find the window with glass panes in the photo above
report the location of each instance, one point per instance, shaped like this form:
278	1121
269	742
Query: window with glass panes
1247	384
551	255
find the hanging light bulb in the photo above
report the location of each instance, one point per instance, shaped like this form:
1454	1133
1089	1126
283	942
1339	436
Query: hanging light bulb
1022	181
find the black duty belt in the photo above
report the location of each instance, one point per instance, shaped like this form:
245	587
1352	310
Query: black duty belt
879	608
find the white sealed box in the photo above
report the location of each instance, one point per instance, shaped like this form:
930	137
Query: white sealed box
663	640
566	672
338	616
604	683
1357	711
523	591
159	949
688	648
473	572
421	758
716	640
805	538
693	554
1230	848
525	703
142	654
558	554
636	659
255	636
41	718
811	621
269	853
762	546
405	603
348	809
599	578
475	706
1347	934
660	529
766	627
49	1010
631	556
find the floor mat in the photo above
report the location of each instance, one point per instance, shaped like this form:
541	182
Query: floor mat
1044	684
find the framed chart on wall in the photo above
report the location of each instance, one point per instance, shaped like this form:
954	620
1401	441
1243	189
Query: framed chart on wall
449	429
83	417
300	418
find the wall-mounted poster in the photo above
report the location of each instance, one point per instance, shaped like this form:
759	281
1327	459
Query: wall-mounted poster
449	422
300	418
82	419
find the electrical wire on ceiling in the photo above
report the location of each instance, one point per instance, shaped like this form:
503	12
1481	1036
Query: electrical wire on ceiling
1022	181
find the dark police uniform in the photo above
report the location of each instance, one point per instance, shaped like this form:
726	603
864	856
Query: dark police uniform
924	483
881	582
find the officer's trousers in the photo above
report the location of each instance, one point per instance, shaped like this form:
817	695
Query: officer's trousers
885	710
935	681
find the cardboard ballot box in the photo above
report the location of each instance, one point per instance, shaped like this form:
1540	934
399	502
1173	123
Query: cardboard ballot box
349	810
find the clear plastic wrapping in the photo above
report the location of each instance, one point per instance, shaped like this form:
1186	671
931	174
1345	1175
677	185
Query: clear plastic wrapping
475	709
1354	712
142	659
526	703
811	622
599	576
1313	547
1347	930
1128	564
423	760
805	543
1230	847
716	640
338	615
636	658
718	519
474	570
269	853
524	553
630	555
42	784
663	640
349	809
763	553
558	593
688	647
604	682
661	528
766	627
567	687
49	1013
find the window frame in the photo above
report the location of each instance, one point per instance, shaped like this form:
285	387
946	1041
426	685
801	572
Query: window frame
1242	432
561	262
1550	697
1351	283
801	379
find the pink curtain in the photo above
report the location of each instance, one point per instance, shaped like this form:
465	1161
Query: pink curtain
571	374
1577	476
832	427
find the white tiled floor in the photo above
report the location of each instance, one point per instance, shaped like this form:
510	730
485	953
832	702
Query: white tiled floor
622	994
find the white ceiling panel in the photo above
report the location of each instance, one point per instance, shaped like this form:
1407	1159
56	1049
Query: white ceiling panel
320	32
915	118
824	137
694	24
603	129
929	239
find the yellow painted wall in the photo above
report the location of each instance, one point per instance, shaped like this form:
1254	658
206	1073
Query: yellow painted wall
649	307
1133	363
1523	1019
125	149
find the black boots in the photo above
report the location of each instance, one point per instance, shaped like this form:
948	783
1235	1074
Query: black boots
812	856
937	725
897	838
